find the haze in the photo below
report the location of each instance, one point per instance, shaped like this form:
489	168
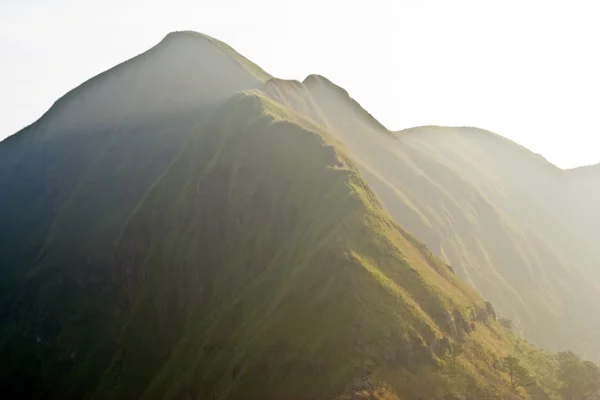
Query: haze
526	71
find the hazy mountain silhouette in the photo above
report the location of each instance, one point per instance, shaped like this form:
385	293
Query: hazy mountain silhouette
186	226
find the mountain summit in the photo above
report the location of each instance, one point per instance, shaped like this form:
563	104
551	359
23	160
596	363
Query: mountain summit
184	225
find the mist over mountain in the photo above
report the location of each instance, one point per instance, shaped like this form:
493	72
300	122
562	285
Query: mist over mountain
184	225
513	225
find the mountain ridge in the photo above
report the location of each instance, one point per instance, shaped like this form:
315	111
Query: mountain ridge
336	161
171	38
491	189
73	186
316	82
246	247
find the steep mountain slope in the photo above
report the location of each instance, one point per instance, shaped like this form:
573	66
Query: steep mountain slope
559	206
322	290
257	265
71	180
453	190
186	226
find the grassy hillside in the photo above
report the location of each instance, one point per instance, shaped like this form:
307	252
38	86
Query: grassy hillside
186	226
548	210
452	188
262	266
70	181
558	206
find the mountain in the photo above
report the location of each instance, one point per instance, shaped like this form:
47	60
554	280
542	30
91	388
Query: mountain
582	220
73	179
318	291
561	207
551	221
496	212
186	226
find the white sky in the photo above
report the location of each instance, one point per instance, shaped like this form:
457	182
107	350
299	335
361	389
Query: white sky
529	70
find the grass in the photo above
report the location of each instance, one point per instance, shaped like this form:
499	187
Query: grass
452	188
257	262
263	266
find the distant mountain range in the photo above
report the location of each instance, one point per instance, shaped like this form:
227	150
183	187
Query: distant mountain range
186	226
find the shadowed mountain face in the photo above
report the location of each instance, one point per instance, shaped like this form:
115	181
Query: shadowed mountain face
185	226
132	118
70	182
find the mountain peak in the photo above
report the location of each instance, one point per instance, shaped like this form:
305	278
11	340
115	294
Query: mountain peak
184	225
337	101
316	79
223	48
185	72
186	33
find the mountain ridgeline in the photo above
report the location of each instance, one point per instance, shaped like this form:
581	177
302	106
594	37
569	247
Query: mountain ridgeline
186	226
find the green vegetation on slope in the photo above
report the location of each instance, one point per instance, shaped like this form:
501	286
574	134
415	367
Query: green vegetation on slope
453	189
68	191
533	203
261	266
252	262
